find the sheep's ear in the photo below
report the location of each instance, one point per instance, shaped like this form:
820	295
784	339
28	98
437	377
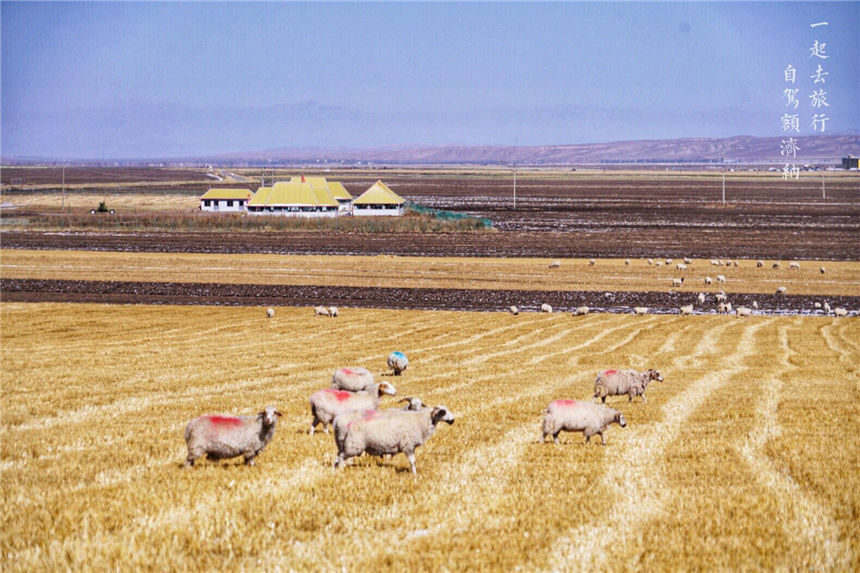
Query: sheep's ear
438	413
278	413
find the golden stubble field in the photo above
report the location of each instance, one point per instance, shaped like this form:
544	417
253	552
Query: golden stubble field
746	457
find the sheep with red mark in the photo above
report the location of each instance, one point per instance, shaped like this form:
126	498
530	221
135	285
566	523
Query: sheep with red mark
575	416
389	433
620	382
352	379
398	362
343	421
224	437
328	403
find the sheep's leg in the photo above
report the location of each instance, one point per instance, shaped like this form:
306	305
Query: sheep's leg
602	441
555	437
411	455
249	461
644	401
189	461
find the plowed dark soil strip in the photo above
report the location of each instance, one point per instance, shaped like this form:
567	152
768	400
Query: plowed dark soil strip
117	292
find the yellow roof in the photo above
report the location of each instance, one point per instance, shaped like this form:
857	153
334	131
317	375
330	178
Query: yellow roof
336	188
292	193
227	194
379	194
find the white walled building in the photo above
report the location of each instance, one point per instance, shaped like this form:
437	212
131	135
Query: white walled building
226	200
378	200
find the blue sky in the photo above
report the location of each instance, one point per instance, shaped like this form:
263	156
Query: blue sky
129	79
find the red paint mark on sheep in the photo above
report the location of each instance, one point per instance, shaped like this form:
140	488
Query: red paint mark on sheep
340	395
346	371
566	403
610	372
224	421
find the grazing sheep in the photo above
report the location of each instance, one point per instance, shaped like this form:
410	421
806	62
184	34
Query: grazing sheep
735	263
574	416
514	310
591	262
759	264
677	282
775	265
708	280
332	311
686	310
320	311
620	382
721	279
390	433
793	266
327	403
627	262
701	298
650	261
839	311
581	310
352	379
743	311
781	290
555	264
716	263
270	312
688	261
681	267
722	308
821	270
640	310
224	437
721	296
546	308
398	362
668	261
658	264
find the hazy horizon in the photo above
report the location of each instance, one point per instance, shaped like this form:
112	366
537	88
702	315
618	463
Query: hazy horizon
135	80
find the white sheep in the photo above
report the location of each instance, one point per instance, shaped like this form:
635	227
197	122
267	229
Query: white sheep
677	282
626	262
352	379
688	261
546	308
840	311
327	403
723	308
759	264
775	265
708	280
390	433
681	266
816	304
320	311
781	290
827	308
821	270
398	362
721	296
640	310
591	262
514	310
620	382
224	437
332	311
575	416
735	263
686	310
743	311
343	421
794	266
270	312
581	311
668	261
555	264
721	279
701	298
650	261
755	305
716	263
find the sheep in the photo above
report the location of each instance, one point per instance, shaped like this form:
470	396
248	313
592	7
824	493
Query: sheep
716	263
412	403
332	311
514	310
794	266
608	296
759	264
821	270
626	262
320	311
591	262
555	264
270	312
688	261
668	261
224	437
728	307
650	261
781	290
581	311
743	311
640	310
827	308
755	305
722	308
686	310
721	279
735	263
840	311
390	433
343	421
677	282
398	362
352	379
681	267
775	265
701	298
708	280
327	403
546	308
816	305
574	416
619	382
721	296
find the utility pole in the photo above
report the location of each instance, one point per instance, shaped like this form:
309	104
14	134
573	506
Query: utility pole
515	188
724	187
64	189
823	191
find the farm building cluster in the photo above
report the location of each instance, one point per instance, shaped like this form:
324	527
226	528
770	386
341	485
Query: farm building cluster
305	197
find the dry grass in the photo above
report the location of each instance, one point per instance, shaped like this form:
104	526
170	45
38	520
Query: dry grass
745	458
841	278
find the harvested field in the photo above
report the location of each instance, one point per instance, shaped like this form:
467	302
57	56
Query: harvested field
744	458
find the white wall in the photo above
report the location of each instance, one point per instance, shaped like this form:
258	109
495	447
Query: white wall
220	205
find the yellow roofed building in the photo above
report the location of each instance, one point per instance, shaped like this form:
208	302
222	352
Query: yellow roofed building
225	200
298	197
378	200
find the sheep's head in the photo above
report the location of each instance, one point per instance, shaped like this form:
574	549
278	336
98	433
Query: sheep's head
386	388
441	414
270	416
619	418
654	375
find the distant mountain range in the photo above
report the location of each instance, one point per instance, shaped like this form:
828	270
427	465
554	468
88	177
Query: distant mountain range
827	148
